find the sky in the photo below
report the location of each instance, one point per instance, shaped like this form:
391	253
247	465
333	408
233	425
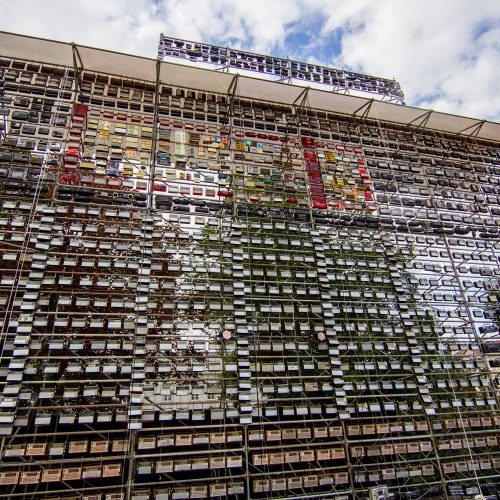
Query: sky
444	53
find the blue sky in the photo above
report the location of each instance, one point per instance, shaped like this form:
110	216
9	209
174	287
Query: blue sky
445	53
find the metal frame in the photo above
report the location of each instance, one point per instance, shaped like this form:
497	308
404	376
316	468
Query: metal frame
354	326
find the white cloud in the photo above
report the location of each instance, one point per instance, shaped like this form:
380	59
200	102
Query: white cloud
122	25
134	26
431	48
445	53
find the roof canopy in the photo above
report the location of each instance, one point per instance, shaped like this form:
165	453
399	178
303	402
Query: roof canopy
196	78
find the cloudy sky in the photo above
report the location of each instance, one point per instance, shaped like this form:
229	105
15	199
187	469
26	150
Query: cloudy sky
445	53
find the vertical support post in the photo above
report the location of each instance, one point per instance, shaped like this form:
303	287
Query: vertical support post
152	157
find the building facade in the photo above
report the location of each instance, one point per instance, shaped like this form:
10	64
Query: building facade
216	286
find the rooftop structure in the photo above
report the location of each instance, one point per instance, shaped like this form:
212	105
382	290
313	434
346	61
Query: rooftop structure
279	69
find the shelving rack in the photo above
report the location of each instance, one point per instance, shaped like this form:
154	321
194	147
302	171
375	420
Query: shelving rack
210	294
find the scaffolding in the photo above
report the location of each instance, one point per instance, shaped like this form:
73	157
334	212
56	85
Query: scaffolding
214	295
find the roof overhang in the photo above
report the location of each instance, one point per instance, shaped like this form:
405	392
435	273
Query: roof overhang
208	80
